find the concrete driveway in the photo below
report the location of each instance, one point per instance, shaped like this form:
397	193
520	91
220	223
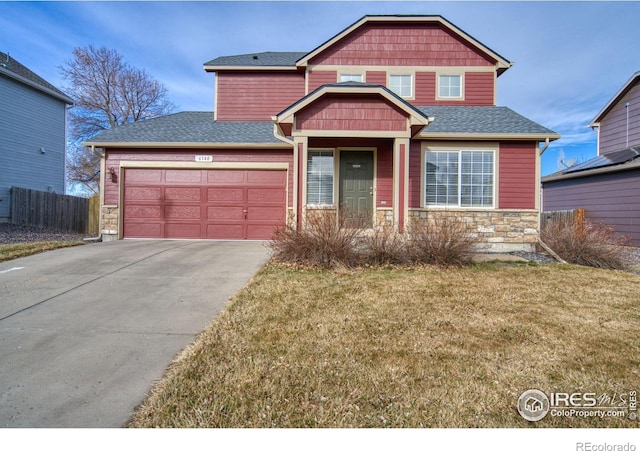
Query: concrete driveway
86	331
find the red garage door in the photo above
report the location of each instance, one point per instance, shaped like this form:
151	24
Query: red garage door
201	203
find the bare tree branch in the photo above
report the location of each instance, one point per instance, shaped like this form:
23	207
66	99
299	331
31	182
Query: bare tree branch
107	93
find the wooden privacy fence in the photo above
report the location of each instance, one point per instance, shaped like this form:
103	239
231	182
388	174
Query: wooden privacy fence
562	216
52	211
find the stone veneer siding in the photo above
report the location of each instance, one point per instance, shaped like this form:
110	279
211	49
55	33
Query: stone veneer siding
109	223
496	230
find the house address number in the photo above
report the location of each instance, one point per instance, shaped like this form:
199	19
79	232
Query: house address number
204	158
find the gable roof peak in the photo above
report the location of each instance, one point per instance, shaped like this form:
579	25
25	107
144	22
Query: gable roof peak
615	99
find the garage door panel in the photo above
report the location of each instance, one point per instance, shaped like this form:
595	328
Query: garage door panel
226	177
182	230
183	176
225	231
230	195
182	212
142	193
203	203
143	211
266	177
266	195
181	193
144	175
266	214
225	213
143	230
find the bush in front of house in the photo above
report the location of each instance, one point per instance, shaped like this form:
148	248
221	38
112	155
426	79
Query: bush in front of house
325	243
322	243
442	241
587	243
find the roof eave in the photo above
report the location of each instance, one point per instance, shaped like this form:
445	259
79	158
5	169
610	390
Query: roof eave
34	85
252	68
605	110
188	145
489	136
590	172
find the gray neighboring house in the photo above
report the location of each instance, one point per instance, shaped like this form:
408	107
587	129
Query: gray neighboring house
32	132
607	185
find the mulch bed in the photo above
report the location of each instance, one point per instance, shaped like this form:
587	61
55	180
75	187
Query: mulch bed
13	234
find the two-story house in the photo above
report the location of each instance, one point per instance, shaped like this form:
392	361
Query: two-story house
392	119
606	186
32	132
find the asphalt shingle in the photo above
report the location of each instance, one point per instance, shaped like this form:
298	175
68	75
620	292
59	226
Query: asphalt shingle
189	127
480	119
258	59
10	64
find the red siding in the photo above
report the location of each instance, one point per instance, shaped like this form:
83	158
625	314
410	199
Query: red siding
415	168
479	88
394	44
114	157
318	78
246	96
351	113
517	175
377	77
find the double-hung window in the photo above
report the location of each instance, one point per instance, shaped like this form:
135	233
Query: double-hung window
462	178
401	85
320	177
450	86
350	77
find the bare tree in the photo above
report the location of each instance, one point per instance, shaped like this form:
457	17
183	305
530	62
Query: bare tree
107	92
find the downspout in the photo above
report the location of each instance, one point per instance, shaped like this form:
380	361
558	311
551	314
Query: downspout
101	193
540	242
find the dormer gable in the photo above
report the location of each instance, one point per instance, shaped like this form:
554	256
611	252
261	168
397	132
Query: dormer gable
404	41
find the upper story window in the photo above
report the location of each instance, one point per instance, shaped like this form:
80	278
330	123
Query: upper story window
450	86
351	77
401	85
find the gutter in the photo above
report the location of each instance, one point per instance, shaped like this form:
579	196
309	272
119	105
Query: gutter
546	145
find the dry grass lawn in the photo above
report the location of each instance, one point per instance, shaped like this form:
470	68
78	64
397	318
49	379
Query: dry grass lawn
12	251
422	347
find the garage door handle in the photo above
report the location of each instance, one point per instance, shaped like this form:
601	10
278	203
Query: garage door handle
245	213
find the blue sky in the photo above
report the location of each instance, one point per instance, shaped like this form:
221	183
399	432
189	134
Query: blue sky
569	58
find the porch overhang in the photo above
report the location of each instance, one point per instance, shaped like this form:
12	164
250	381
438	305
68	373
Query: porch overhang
336	106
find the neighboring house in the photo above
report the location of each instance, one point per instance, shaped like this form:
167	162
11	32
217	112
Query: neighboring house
32	132
392	119
607	185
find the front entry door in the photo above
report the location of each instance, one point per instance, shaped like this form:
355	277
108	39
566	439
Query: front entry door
356	188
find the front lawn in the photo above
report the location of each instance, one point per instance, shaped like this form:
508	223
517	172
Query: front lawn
422	347
12	251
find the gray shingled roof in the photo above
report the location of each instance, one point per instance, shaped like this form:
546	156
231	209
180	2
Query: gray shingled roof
189	127
11	67
200	127
480	120
258	59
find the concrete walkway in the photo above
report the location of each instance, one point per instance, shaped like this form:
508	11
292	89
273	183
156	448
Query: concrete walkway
86	331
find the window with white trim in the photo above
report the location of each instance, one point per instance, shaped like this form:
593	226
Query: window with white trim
450	86
350	77
320	177
401	85
462	178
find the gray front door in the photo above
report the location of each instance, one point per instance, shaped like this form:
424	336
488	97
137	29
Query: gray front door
356	188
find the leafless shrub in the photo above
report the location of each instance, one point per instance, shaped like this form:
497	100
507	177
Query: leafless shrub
587	243
321	243
442	241
384	246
